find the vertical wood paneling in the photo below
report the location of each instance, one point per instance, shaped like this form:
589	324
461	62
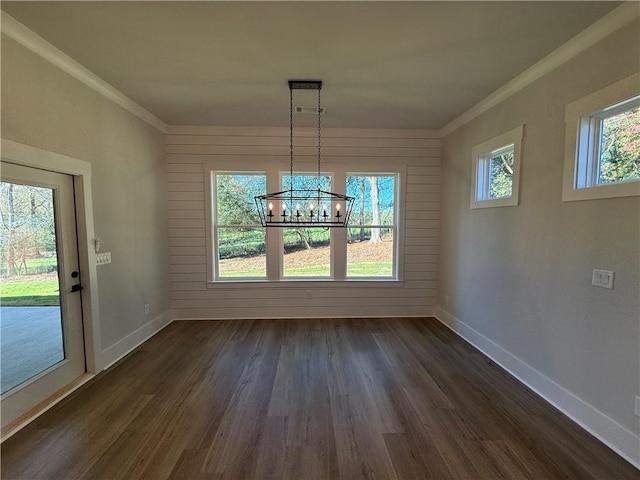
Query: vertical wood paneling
187	151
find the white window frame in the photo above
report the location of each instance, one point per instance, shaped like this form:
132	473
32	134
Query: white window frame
337	168
281	177
481	156
394	227
214	264
583	120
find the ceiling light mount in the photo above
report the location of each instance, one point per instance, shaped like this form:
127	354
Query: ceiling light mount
305	84
304	207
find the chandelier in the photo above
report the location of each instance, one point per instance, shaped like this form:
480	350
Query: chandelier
304	207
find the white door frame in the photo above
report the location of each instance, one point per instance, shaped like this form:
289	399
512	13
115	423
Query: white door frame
81	171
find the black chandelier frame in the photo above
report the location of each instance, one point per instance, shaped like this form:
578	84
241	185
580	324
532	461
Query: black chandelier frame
303	207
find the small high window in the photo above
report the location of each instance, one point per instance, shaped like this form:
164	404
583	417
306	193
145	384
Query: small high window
609	145
602	158
496	167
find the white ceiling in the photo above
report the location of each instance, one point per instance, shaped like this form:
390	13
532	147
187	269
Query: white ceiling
384	64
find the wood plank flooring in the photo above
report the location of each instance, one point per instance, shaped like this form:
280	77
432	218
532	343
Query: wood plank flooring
306	399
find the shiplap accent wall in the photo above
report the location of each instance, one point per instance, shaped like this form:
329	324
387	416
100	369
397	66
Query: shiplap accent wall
188	149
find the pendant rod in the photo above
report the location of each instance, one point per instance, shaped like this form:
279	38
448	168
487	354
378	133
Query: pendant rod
291	144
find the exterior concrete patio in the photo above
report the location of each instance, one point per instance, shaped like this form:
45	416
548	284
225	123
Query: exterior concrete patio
30	342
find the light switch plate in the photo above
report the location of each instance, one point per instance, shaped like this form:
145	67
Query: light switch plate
602	278
103	258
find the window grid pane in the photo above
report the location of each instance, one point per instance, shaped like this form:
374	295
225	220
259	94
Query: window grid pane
307	252
370	252
235	193
619	147
242	252
374	199
501	174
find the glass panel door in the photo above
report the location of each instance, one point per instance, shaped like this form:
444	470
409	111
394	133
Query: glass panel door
31	337
41	333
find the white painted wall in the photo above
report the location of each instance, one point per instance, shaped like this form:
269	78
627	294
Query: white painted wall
520	277
188	149
43	106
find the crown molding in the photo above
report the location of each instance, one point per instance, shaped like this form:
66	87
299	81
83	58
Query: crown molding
38	45
614	20
328	132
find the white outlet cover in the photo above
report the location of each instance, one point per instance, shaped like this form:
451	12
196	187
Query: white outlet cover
637	408
602	278
103	258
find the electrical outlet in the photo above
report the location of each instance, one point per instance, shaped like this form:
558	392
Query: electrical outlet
602	278
147	309
309	295
446	299
637	408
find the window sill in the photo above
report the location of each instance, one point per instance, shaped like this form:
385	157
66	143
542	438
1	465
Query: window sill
611	190
495	202
302	283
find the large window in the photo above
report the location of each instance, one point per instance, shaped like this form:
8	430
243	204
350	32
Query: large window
602	158
306	252
240	249
240	242
372	227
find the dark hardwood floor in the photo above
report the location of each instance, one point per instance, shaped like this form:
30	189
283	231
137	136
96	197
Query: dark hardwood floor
307	399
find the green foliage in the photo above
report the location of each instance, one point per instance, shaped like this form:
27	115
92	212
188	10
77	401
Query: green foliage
364	234
240	242
27	225
620	147
235	199
299	238
501	175
241	249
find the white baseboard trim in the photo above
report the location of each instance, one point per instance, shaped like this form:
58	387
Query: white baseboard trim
136	338
428	312
622	441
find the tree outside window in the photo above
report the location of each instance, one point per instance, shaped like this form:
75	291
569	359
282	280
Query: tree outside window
240	240
306	251
619	152
372	227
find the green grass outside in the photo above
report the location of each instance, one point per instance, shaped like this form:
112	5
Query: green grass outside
368	269
39	293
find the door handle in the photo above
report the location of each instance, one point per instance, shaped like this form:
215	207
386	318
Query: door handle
76	288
